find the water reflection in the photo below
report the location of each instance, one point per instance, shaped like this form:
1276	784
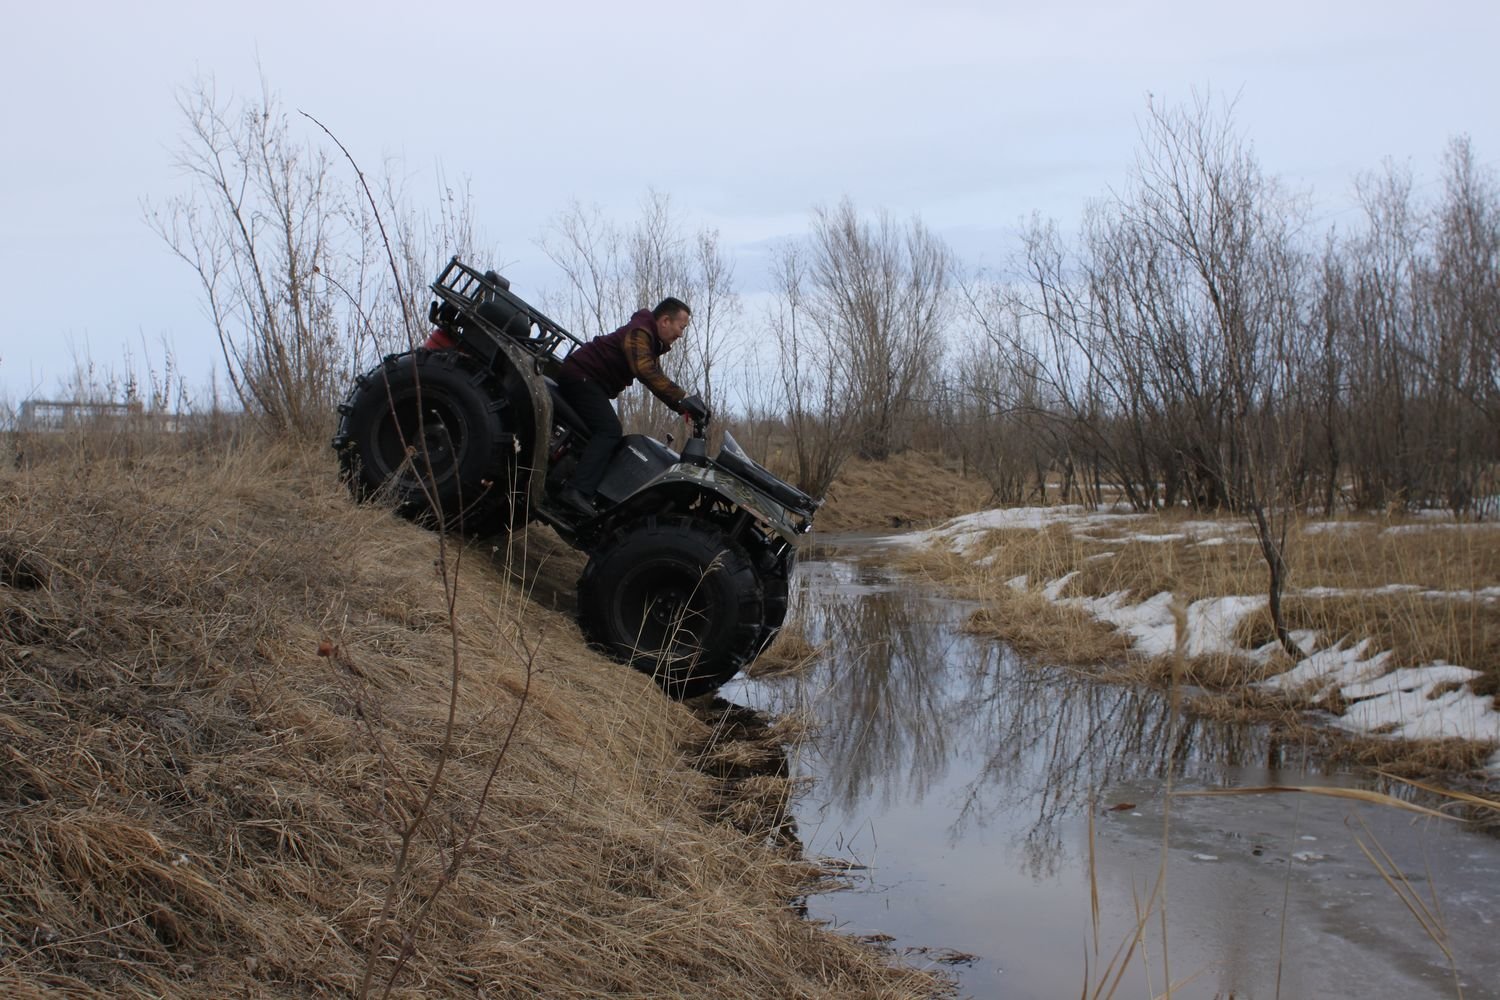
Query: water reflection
905	698
895	710
1051	741
964	777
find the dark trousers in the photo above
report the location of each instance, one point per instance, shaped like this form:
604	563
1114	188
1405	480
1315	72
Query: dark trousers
594	406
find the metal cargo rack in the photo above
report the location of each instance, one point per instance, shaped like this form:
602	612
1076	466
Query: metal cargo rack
485	310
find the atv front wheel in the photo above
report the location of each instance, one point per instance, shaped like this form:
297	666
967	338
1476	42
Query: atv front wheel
675	598
775	580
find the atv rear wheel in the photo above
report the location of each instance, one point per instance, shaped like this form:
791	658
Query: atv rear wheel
431	429
675	598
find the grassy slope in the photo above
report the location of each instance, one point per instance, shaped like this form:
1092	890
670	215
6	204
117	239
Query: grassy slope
907	490
196	803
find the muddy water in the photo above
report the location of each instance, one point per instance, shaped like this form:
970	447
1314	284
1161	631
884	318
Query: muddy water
964	783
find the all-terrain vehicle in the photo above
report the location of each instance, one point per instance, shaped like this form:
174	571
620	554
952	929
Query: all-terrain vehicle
689	553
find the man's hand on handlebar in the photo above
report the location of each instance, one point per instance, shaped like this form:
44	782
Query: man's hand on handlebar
693	407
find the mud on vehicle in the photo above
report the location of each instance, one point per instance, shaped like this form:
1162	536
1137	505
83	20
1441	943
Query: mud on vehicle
689	553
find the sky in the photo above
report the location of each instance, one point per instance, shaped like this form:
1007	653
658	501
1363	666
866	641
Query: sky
970	115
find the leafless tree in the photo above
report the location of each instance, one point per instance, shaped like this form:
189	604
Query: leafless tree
1220	276
303	285
1409	304
819	412
611	272
1173	342
1007	422
879	292
264	221
1385	316
1465	293
588	248
1048	341
385	314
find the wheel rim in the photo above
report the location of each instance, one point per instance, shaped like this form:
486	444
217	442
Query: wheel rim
663	612
439	433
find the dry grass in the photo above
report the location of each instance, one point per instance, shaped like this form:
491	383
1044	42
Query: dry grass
1045	633
908	490
196	803
790	652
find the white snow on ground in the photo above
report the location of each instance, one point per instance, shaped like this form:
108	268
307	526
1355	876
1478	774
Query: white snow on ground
1053	591
1149	623
1329	670
1435	525
1407	703
1424	702
1211	623
961	533
1484	594
1328	527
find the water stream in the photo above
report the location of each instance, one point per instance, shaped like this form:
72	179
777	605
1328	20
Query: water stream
965	783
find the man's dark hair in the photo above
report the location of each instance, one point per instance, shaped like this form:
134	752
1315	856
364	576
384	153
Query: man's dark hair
670	307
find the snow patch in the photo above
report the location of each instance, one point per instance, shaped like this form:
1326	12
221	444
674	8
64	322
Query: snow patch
1053	591
1331	527
1211	623
1330	669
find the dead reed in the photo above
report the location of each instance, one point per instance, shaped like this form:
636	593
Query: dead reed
906	490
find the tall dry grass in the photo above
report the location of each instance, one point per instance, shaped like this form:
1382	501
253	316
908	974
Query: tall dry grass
910	489
197	803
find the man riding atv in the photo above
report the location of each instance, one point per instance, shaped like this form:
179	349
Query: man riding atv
597	372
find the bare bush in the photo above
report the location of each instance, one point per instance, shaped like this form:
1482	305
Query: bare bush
1465	293
1173	343
303	285
819	413
1410	307
611	272
878	291
264	220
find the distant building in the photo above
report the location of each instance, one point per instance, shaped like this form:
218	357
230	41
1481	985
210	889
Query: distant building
57	415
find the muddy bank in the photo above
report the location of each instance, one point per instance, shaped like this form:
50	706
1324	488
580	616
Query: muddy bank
909	490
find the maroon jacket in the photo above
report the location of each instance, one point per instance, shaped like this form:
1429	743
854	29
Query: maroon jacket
616	359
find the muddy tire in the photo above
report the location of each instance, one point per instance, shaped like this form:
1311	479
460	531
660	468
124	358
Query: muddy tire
431	406
676	599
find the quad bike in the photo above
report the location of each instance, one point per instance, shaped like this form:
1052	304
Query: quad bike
689	553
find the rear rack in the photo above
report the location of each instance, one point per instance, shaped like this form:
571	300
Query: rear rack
482	311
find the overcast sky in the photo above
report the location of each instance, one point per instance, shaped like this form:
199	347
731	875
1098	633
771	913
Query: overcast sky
971	114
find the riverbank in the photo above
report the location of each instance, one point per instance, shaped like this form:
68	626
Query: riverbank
912	490
261	741
1396	621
